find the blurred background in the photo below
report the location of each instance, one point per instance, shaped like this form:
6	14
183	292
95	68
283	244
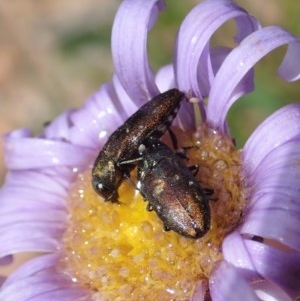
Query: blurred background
54	54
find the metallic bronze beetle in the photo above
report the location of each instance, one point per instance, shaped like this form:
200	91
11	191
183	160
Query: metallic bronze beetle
172	190
151	120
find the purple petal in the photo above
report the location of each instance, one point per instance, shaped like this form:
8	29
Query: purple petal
129	47
239	62
31	230
282	268
165	81
59	128
227	284
277	129
26	183
64	294
23	153
31	236
165	78
277	224
271	200
193	66
125	106
91	125
40	241
38	279
34	217
219	54
278	267
20	133
282	187
278	160
275	183
25	199
31	267
267	290
278	169
100	116
290	66
2	280
235	252
33	213
6	260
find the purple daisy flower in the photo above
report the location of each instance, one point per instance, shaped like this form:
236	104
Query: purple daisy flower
260	257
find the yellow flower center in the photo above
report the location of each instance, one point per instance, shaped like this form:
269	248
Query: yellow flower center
120	250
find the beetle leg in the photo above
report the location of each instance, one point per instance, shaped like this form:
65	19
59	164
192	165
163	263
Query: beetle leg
149	207
208	191
126	175
179	151
194	169
173	139
131	161
166	228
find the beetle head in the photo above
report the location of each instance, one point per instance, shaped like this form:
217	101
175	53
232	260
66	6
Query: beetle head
105	179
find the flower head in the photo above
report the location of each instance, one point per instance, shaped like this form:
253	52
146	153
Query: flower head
252	248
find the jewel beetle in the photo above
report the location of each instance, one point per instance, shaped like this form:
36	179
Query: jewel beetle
171	190
151	120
